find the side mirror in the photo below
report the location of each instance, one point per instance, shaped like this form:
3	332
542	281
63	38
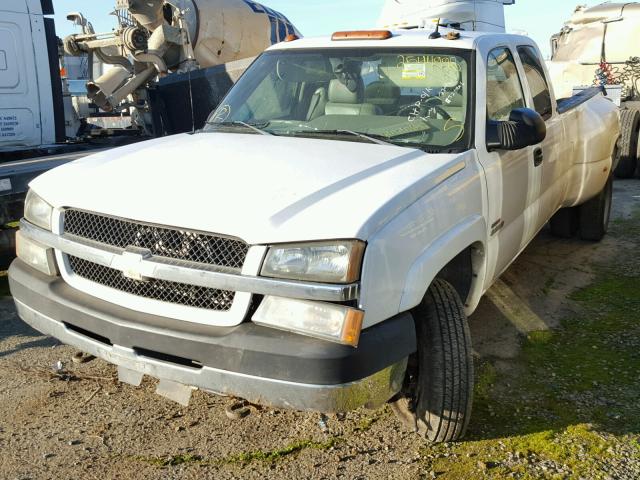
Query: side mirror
525	127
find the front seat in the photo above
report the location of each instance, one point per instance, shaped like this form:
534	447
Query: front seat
385	95
343	101
318	104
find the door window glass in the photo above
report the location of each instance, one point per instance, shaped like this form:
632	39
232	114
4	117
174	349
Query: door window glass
504	89
537	81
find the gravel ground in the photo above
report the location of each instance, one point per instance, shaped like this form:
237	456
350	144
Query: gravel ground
86	425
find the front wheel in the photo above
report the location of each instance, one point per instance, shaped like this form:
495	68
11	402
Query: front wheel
438	394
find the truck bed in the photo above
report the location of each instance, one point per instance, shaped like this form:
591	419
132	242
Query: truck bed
569	103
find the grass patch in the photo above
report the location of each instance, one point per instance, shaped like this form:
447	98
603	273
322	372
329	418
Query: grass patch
240	458
577	450
571	395
548	285
486	377
583	372
366	423
272	456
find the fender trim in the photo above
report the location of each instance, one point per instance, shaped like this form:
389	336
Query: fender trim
437	255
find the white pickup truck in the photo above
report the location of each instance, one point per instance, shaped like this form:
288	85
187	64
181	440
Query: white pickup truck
363	190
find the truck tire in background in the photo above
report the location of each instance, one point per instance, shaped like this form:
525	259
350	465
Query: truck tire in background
438	392
628	146
595	214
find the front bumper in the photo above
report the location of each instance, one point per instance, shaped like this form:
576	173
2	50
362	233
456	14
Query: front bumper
262	365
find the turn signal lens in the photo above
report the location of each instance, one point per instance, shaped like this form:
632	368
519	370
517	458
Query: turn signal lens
327	321
36	255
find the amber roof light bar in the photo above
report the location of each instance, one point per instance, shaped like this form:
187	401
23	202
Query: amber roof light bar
362	35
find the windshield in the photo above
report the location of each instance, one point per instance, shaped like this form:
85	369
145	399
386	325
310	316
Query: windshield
379	95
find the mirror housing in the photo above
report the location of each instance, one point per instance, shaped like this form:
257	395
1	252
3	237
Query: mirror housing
524	128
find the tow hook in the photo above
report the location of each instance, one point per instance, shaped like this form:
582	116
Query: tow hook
81	357
237	409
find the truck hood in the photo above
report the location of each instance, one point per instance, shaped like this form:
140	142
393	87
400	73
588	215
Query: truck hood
263	189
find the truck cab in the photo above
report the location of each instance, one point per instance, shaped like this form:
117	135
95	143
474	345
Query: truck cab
329	230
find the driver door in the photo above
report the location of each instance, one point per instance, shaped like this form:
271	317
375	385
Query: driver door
513	181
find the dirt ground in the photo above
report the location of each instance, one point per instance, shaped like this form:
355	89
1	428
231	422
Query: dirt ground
89	426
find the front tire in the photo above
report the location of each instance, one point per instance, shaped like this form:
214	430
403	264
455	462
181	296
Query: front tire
595	214
436	402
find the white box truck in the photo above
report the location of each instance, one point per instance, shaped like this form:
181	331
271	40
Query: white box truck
31	109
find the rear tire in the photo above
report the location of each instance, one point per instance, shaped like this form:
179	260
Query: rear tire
438	394
595	214
628	146
565	223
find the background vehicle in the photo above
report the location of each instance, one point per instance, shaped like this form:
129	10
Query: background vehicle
483	15
163	69
158	39
31	110
599	46
153	39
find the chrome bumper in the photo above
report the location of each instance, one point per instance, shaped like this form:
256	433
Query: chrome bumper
371	392
184	272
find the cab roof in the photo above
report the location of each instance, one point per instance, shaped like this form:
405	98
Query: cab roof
418	37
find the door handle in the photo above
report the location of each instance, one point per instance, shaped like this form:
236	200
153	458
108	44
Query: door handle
538	157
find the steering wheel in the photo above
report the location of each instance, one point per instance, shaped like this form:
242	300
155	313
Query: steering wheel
431	102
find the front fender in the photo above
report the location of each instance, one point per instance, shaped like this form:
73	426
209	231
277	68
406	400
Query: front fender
447	219
437	255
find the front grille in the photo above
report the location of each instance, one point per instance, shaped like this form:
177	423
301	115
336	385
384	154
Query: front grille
164	291
177	244
161	241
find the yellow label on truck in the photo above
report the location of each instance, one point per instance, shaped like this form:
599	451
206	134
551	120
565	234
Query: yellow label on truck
414	71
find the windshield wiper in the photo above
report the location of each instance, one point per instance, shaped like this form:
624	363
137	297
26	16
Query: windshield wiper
236	123
371	138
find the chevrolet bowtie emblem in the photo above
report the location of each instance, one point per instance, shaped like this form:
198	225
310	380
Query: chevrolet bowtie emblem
130	262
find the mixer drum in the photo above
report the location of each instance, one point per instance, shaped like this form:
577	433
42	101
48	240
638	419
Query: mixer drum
227	30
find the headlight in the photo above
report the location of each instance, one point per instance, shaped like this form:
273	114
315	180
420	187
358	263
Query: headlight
37	211
336	262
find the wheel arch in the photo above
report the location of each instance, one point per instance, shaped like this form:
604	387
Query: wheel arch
458	257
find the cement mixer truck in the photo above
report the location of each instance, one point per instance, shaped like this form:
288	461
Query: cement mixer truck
154	39
157	38
599	46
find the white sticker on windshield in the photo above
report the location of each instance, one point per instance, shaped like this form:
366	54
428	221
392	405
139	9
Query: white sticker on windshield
414	71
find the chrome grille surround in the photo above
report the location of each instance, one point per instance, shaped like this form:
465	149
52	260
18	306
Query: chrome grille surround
245	284
223	253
